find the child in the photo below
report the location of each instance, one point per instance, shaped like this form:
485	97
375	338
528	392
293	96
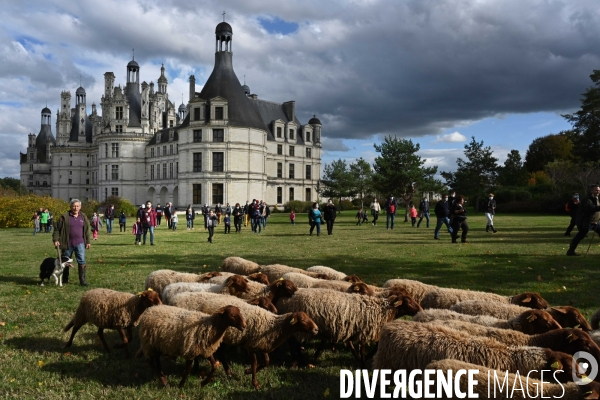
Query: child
137	231
174	221
211	222
95	224
36	223
293	217
365	217
413	214
227	221
359	217
122	222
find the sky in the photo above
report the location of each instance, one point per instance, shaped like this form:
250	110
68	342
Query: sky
435	71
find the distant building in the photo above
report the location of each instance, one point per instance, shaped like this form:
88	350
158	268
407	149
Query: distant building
225	145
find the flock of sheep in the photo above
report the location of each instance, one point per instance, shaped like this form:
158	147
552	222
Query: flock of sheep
258	308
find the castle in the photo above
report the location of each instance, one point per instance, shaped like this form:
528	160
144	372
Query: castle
225	146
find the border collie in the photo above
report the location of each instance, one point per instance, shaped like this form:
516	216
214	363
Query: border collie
52	267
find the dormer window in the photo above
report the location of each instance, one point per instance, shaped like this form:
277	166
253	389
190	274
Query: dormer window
291	134
308	136
279	132
219	113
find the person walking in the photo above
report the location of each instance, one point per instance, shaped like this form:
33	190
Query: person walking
293	217
390	207
36	223
189	216
571	207
588	218
413	215
168	211
256	217
44	220
375	209
265	214
109	215
316	218
159	214
359	217
95	224
205	211
227	223
137	231
451	199
490	210
211	222
247	213
238	213
148	222
122	222
228	209
458	216
50	222
442	212
72	234
174	220
424	211
329	214
219	211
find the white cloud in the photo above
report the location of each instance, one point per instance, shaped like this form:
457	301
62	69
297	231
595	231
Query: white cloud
454	137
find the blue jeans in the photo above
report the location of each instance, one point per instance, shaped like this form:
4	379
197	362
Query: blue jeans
581	235
256	225
79	253
109	225
35	230
151	229
392	217
440	222
318	225
426	216
189	224
263	220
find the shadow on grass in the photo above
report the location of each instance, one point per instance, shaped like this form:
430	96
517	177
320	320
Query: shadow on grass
46	344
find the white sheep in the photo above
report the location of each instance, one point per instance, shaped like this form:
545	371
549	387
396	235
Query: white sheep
176	332
158	280
329	272
276	271
234	285
239	266
446	297
416	289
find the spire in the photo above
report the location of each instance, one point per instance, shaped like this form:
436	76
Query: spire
133	54
224	16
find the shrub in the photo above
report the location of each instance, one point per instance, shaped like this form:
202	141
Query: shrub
120	204
298	206
16	212
89	207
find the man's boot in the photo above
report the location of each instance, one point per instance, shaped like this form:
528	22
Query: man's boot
65	277
493	229
82	270
487	228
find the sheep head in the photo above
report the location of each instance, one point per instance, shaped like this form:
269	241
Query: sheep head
148	298
232	316
206	277
590	390
360	288
260	278
530	300
404	305
236	284
352	278
562	364
264	303
282	288
321	276
574	340
570	317
301	322
398	291
534	322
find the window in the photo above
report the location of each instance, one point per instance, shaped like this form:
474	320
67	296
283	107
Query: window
291	134
70	182
119	128
152	152
217	162
45	183
70	172
170	149
164	173
170	123
32	155
279	195
164	152
279	149
106	150
307	193
218	112
291	171
118	112
177	168
106	172
291	196
105	194
218	135
308	153
197	193
31	167
217	193
37	183
278	131
197	167
196	113
197	135
114	172
308	136
292	151
114	192
87	163
308	172
152	172
158	151
170	170
157	171
114	150
87	182
280	170
70	163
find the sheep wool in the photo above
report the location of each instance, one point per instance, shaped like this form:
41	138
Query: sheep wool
412	345
158	280
417	289
446	297
330	272
276	271
239	266
531	388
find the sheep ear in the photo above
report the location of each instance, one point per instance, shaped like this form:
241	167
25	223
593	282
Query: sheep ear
560	310
150	289
571	338
526	299
556	365
356	289
278	283
577	326
229	282
398	303
532	317
293	321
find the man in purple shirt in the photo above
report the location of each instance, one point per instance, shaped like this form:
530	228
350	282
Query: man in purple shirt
72	234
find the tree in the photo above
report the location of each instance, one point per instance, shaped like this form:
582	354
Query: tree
476	175
547	149
337	181
362	176
399	170
513	173
586	123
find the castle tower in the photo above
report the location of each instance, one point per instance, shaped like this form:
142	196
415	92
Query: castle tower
81	113
162	81
63	120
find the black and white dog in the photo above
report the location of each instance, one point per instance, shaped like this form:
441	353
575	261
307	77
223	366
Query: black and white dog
52	267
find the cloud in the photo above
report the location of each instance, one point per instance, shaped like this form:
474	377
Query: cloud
330	144
454	137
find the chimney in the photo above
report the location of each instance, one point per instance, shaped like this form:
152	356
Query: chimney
192	87
289	109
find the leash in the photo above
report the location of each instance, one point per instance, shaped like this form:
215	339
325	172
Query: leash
58	254
591	240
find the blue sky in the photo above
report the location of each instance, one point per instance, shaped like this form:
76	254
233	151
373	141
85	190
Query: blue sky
437	72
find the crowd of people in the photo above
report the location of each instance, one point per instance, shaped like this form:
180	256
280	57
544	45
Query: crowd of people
42	221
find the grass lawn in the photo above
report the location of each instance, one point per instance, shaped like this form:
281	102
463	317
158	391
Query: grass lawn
527	254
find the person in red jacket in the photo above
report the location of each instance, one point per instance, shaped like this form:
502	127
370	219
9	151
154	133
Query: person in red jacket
148	221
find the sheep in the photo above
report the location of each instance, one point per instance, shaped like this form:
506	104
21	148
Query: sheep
516	386
446	298
369	290
109	309
158	280
330	272
566	316
595	320
240	266
595	335
417	289
259	277
343	317
277	289
233	285
177	332
567	341
276	271
530	322
412	345
256	277
264	331
305	281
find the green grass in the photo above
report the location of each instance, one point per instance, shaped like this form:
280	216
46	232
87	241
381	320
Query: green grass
527	254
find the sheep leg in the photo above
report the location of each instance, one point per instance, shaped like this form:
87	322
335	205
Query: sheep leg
258	367
221	356
101	336
353	349
296	352
125	342
320	348
363	350
213	365
73	332
267	359
130	333
372	352
154	364
254	370
186	372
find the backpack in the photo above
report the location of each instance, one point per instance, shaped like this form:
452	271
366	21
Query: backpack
392	208
567	209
